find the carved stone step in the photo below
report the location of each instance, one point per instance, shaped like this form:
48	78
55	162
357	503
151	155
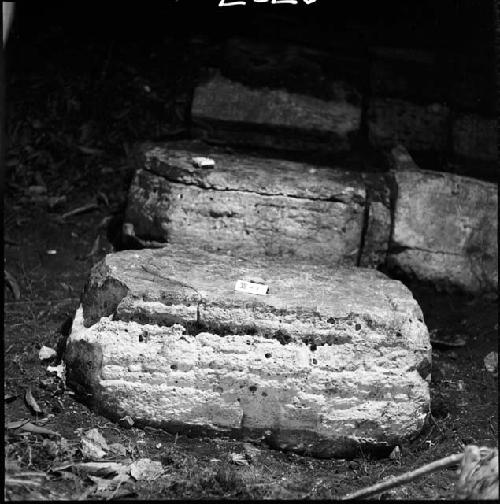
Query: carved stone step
231	112
260	206
444	226
330	361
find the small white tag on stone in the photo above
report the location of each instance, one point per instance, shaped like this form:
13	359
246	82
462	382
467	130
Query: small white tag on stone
251	287
203	162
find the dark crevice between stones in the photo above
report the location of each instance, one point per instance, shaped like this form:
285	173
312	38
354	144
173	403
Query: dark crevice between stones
65	331
364	229
202	185
396	249
393	198
386	267
219	329
281	137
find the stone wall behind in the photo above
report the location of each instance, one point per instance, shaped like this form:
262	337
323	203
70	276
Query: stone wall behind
423	75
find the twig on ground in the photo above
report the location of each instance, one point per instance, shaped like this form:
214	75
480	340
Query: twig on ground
21	482
79	210
406	477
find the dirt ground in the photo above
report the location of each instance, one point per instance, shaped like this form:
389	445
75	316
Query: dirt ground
74	115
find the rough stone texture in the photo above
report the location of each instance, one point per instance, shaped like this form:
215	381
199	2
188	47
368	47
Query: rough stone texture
444	225
330	361
258	206
475	137
418	127
445	230
233	113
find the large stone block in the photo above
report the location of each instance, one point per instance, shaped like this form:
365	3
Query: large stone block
418	127
259	206
231	112
446	230
330	361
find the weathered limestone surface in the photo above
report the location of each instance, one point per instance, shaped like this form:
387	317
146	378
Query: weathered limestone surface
259	206
329	361
475	137
234	113
446	230
443	226
418	127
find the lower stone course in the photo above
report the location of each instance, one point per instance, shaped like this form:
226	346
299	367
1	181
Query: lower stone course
331	361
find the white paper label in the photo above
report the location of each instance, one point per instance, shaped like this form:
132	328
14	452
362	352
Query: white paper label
251	287
203	162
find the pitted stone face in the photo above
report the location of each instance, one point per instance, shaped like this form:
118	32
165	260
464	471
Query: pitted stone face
328	361
259	206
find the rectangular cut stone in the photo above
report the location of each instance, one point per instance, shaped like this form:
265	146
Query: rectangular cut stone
445	230
249	205
476	137
331	361
418	127
233	113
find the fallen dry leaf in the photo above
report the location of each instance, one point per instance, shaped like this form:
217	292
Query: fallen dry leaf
395	453
31	402
118	449
50	446
89	151
93	444
12	283
58	370
127	419
146	470
491	362
36	429
113	470
251	452
27	426
46	353
16	424
238	459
